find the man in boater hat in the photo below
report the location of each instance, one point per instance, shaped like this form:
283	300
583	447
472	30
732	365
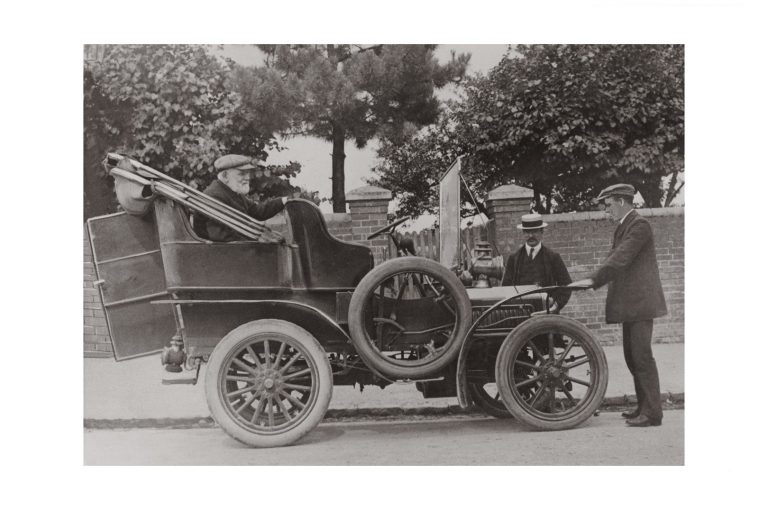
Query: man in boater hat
536	264
634	298
231	187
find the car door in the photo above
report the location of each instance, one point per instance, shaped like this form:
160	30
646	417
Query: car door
130	276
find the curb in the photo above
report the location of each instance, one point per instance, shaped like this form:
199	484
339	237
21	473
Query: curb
95	354
670	401
666	398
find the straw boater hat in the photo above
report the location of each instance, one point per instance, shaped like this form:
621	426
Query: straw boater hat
620	189
532	221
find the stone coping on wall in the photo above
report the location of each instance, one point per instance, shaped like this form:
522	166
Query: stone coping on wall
510	191
369	193
671	211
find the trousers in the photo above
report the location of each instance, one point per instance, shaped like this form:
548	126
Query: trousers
639	358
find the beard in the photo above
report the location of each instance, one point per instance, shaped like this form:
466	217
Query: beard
238	186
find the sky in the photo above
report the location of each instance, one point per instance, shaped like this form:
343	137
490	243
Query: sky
314	154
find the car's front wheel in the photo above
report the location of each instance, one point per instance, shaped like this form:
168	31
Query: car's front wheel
551	373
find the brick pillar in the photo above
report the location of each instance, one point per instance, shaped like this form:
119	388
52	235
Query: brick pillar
368	211
507	204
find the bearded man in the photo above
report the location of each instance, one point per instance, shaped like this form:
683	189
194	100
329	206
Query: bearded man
231	186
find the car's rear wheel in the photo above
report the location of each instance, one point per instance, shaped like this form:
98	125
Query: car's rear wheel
481	378
268	383
551	373
487	396
408	317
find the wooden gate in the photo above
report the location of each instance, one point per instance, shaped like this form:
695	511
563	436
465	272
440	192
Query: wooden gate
427	242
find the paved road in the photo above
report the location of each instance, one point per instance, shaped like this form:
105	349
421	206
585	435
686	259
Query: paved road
603	440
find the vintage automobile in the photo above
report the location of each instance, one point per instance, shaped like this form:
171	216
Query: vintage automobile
279	319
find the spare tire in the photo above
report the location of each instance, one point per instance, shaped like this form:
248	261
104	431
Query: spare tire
408	317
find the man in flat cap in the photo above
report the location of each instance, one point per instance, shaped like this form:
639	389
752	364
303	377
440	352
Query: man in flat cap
534	263
231	187
634	298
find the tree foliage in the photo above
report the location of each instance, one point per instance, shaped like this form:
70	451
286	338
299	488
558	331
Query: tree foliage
348	92
412	168
566	121
176	108
103	123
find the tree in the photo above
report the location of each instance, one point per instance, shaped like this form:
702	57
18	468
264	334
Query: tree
567	120
350	92
100	135
563	120
412	168
176	108
274	181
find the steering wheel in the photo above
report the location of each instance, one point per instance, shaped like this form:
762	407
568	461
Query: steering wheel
388	227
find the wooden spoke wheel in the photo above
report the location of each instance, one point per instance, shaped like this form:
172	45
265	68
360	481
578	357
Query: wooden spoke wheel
268	383
408	316
551	373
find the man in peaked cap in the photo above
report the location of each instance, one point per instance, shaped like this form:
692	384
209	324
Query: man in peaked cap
231	187
534	263
634	298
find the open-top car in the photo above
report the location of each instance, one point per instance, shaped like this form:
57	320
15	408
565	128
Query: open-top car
279	319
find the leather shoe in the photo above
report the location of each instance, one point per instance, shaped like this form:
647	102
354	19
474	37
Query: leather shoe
630	414
643	421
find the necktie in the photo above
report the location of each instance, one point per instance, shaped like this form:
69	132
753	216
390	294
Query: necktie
530	254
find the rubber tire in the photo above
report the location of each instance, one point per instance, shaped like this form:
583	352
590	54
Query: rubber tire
230	343
359	334
518	338
484	401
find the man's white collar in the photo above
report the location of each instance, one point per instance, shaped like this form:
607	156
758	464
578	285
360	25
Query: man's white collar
535	248
625	216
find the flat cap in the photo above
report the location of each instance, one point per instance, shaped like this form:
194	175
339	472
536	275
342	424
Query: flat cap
620	189
239	162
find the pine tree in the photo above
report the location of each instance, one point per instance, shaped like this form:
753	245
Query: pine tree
350	92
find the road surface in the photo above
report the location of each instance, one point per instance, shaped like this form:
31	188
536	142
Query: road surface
603	440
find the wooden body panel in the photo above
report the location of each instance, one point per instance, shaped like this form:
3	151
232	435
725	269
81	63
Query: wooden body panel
151	263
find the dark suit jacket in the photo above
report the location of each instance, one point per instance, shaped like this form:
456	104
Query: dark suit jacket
632	274
217	232
554	269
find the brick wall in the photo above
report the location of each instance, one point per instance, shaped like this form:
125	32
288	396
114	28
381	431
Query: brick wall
584	239
95	335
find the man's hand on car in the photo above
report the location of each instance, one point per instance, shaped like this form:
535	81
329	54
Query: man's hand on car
552	304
